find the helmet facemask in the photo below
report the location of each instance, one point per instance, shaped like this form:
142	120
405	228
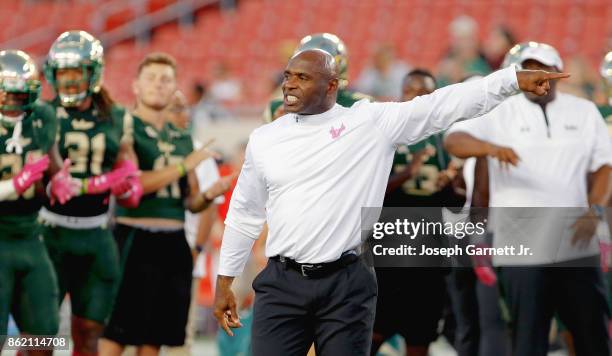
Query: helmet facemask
21	87
15	107
88	83
20	97
65	88
80	51
19	83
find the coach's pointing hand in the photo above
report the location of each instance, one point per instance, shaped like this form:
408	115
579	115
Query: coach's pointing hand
537	81
225	305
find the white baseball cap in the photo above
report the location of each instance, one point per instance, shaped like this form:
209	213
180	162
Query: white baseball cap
543	53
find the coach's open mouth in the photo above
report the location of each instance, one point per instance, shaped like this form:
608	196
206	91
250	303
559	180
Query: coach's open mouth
291	100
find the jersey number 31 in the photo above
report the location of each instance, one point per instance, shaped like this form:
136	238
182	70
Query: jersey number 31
79	148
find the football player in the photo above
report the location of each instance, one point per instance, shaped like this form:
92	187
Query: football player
197	226
28	152
333	45
421	177
606	73
96	135
606	111
152	305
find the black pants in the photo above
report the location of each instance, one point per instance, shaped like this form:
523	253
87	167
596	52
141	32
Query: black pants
577	295
152	305
480	329
410	303
335	312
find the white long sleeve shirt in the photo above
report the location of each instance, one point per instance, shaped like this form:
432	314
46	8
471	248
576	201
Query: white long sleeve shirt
309	176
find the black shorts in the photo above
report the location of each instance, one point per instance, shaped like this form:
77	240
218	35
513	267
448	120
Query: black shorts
410	303
152	305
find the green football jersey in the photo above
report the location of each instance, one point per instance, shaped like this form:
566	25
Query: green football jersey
19	213
345	98
92	144
156	150
420	188
606	112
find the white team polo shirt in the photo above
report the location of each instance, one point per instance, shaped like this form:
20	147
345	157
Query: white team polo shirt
556	151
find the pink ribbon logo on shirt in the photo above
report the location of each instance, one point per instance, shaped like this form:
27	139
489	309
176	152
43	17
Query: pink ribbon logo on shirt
335	133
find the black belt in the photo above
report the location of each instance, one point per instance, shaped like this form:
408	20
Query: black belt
318	270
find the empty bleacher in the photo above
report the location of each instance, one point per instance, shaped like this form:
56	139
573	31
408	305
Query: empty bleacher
247	39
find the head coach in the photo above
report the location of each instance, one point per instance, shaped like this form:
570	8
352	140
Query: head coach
308	174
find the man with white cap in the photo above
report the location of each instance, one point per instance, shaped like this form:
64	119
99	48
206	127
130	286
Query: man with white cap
551	151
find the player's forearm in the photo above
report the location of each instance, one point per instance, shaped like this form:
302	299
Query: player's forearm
600	187
7	188
479	211
464	145
397	180
207	219
480	194
153	181
235	249
198	202
55	160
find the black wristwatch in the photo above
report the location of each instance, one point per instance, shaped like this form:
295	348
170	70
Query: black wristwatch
198	248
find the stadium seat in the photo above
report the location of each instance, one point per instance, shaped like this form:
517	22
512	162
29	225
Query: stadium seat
248	37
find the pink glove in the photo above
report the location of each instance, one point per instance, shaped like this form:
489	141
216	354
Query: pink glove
129	190
605	250
484	270
486	275
103	182
128	166
62	186
31	173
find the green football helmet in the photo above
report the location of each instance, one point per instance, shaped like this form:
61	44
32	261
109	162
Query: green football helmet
18	75
80	50
606	72
331	44
513	57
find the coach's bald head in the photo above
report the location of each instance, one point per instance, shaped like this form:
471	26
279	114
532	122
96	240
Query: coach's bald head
310	83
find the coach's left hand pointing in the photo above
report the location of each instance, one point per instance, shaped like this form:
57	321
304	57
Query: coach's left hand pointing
225	305
537	81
